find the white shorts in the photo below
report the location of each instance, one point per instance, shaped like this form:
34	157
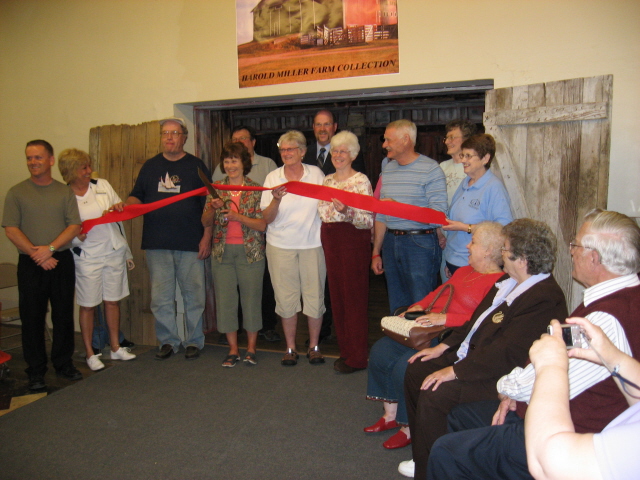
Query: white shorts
297	273
101	278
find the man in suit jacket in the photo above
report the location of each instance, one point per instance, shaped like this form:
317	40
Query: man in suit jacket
467	364
319	152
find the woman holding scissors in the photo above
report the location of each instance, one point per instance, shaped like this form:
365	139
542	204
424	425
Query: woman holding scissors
238	252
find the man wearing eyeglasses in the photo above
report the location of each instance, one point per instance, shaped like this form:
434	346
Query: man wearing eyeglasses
490	443
174	239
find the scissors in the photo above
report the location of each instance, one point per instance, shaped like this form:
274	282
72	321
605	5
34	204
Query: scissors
214	193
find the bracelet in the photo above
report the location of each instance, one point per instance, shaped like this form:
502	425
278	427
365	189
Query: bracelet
375	256
469	229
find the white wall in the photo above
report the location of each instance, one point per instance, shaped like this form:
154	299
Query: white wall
69	65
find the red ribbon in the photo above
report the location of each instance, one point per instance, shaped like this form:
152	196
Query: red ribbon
319	192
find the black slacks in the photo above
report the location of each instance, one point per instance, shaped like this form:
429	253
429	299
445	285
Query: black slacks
36	289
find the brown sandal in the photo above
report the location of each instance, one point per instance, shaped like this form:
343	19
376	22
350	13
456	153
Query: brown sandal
290	358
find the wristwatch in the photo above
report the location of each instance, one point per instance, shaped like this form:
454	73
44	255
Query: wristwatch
52	248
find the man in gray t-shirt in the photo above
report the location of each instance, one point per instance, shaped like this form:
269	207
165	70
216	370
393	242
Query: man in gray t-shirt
41	218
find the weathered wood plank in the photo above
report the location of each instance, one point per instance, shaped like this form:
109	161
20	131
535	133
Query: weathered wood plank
534	151
519	207
551	114
94	147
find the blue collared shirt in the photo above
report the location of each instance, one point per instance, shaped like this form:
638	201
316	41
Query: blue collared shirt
485	200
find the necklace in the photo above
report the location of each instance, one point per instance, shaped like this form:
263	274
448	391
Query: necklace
469	279
236	193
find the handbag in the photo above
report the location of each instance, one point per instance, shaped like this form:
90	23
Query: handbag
409	332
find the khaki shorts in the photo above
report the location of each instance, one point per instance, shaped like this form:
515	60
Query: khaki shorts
297	273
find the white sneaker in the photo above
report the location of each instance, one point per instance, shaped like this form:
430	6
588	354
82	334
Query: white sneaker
407	468
94	362
122	354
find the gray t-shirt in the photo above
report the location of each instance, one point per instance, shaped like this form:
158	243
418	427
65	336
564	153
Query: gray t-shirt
41	213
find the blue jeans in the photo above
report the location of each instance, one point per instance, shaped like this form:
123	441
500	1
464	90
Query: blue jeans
165	267
101	330
411	264
387	364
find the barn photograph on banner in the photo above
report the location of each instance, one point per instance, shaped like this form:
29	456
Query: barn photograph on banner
286	41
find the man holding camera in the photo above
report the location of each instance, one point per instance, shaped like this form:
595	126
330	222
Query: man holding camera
606	260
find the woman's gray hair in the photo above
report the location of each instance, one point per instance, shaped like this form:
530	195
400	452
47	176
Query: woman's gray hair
534	242
489	235
616	238
70	160
346	139
293	136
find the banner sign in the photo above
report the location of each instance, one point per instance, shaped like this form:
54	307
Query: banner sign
285	41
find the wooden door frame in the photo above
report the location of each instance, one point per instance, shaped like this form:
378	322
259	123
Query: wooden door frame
201	112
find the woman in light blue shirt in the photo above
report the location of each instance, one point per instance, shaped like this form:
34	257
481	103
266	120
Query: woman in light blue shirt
480	197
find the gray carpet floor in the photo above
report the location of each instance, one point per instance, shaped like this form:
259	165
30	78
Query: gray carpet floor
180	419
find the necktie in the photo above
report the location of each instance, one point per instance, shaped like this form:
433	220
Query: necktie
321	157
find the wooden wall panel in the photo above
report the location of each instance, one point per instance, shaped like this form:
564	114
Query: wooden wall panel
119	151
563	171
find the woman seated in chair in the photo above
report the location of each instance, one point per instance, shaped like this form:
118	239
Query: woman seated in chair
388	358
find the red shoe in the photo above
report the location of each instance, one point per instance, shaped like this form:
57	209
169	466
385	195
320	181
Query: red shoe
397	440
381	426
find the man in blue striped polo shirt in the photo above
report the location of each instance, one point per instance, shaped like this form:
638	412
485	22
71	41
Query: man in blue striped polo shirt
408	251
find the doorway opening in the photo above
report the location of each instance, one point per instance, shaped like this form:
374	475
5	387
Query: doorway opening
365	112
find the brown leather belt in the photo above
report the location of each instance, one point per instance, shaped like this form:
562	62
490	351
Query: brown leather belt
412	232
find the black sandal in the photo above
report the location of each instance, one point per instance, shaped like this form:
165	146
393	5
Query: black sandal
250	359
230	361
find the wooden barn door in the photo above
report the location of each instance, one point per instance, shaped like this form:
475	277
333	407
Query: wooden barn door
118	153
553	144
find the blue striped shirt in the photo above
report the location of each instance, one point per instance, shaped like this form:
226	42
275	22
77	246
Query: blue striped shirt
421	183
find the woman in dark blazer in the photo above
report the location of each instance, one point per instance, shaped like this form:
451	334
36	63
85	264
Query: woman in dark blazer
466	366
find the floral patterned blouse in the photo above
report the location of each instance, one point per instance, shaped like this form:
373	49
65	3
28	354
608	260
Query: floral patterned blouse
358	183
249	207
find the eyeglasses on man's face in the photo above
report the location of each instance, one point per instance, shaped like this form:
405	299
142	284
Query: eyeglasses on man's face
575	245
172	133
451	138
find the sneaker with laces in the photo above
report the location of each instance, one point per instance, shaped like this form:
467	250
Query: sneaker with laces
407	468
95	363
314	356
122	354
